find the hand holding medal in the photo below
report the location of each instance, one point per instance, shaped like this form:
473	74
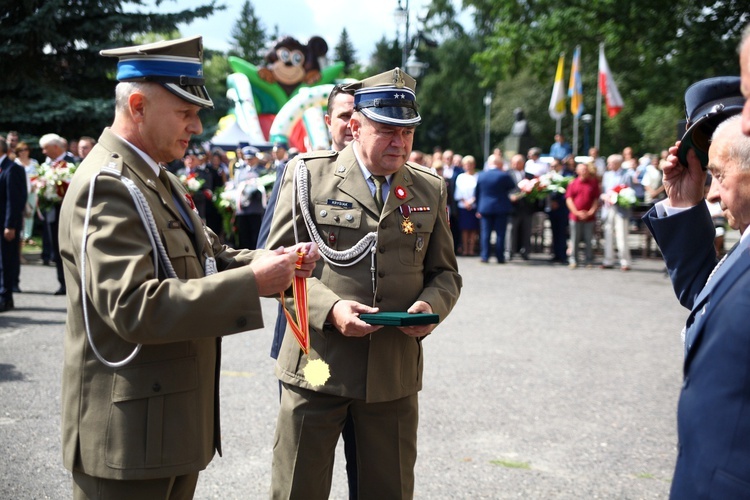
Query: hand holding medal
316	371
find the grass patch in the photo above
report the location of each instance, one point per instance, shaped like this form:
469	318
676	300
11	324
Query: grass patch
645	475
511	464
36	247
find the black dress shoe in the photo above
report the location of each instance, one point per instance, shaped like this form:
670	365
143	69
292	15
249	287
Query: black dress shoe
6	305
60	291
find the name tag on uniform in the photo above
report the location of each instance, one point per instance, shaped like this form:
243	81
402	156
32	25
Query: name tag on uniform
339	203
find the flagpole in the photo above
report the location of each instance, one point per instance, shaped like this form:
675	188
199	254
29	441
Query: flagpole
558	127
597	127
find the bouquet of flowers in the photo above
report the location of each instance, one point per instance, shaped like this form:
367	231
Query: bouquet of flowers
52	183
225	200
555	183
539	187
533	189
622	196
192	183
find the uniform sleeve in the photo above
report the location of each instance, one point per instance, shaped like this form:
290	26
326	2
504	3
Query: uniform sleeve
125	294
686	240
442	280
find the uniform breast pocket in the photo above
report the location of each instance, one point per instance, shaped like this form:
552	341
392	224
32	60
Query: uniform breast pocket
179	247
154	416
412	249
338	225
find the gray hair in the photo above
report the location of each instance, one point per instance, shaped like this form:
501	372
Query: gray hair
738	144
616	158
48	139
124	90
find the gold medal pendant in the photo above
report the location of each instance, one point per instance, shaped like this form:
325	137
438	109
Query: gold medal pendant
316	372
407	226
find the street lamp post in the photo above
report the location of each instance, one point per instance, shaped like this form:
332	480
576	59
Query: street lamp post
586	126
487	105
401	16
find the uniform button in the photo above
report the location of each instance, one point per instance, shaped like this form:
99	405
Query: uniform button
156	387
323	213
419	224
383	225
381	274
378	298
381	249
242	322
187	248
349	217
336	218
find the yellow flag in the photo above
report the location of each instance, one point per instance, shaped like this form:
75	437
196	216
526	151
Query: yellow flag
557	101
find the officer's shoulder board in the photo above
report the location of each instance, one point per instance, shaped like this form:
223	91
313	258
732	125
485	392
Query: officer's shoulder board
321	153
421	169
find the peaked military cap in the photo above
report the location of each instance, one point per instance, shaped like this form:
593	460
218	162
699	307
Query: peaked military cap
708	103
176	64
387	98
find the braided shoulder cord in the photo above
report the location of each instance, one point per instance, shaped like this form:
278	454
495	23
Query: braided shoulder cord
333	257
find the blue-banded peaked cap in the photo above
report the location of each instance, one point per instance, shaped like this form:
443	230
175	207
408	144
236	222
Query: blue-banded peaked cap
387	98
708	103
175	64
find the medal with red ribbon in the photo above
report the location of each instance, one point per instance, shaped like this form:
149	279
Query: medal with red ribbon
300	327
407	226
316	371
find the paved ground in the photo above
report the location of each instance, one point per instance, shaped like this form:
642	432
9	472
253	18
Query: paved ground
543	383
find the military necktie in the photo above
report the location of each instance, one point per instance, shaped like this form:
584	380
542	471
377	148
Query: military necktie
379	180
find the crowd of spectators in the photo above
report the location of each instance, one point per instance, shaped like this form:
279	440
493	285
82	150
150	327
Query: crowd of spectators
585	203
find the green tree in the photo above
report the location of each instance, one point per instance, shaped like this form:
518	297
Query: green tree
387	55
54	79
344	51
655	50
248	36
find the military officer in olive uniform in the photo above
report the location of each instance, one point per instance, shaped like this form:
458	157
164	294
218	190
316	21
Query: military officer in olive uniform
141	422
397	256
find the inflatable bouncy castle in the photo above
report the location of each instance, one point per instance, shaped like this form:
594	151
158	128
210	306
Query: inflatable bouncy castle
282	102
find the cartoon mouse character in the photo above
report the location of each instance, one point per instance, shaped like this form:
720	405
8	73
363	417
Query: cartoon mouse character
291	63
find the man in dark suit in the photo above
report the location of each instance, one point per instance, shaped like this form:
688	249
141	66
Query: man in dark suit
142	422
713	414
493	206
12	201
54	147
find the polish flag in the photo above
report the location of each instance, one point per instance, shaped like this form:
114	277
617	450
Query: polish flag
608	87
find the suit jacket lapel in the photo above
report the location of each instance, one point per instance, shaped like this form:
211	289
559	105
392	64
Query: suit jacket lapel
738	263
401	179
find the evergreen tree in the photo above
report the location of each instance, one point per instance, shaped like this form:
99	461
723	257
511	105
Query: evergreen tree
54	79
249	36
344	51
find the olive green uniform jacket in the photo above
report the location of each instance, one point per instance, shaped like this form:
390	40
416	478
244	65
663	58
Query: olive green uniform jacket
387	364
158	416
